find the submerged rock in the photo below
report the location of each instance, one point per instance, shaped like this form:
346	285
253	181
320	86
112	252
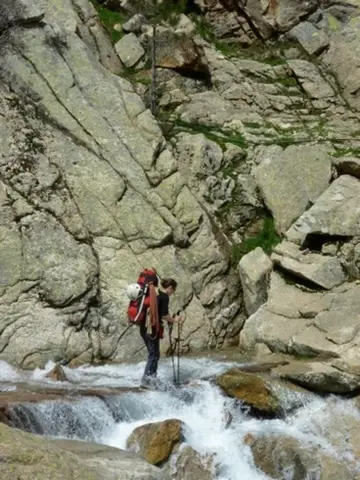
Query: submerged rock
57	374
155	441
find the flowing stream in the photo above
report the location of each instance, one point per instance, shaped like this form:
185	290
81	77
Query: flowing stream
199	404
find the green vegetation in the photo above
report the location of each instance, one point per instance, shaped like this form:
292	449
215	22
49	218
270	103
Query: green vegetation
216	134
109	19
286	81
267	238
284	137
139	76
343	152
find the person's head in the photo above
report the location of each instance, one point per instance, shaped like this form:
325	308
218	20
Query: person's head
169	285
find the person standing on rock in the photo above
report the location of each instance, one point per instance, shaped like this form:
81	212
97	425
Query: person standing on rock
151	335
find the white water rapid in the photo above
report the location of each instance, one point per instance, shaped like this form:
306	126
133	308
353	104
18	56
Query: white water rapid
200	405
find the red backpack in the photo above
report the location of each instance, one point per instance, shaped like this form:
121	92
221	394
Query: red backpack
137	308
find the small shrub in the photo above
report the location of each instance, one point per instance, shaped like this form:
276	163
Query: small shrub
266	239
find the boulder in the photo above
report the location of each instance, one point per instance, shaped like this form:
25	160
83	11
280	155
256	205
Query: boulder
314	41
250	389
336	212
41	458
189	464
320	377
324	271
277	455
178	51
129	50
343	59
289	179
155	441
303	322
254	270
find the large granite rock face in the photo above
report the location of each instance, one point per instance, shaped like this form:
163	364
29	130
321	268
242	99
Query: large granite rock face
89	195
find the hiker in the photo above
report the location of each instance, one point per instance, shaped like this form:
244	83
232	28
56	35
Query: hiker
152	337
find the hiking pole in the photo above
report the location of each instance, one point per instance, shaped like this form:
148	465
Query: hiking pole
178	352
172	352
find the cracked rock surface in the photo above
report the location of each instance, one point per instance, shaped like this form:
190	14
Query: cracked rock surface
79	216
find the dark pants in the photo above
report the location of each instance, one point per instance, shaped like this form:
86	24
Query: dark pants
152	344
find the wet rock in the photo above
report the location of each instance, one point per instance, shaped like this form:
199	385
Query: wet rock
42	459
187	464
278	456
249	439
320	377
324	271
249	388
254	270
57	374
155	441
5	415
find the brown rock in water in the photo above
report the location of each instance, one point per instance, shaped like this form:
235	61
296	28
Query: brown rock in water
155	441
249	439
57	374
5	415
249	388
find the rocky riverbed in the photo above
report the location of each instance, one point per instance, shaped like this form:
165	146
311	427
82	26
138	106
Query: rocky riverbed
229	420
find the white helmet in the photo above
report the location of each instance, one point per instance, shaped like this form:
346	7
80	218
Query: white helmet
133	291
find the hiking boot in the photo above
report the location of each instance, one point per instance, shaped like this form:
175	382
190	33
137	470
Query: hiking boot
151	382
